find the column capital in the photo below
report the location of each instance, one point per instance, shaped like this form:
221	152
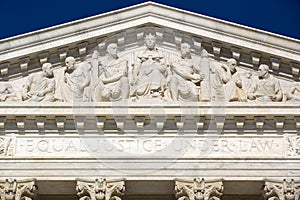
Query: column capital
286	189
12	189
198	189
100	189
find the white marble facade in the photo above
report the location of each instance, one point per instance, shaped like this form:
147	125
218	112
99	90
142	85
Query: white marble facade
149	102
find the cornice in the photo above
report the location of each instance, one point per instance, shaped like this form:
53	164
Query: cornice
230	117
149	12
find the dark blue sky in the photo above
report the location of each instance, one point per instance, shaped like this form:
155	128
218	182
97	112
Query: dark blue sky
277	16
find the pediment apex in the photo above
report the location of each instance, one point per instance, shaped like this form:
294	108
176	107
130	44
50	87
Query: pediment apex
154	13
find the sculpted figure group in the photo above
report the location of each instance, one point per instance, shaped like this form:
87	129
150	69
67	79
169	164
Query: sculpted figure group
112	83
153	77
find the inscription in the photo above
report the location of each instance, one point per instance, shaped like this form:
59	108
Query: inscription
54	145
230	145
256	147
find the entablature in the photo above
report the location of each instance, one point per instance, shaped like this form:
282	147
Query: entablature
200	117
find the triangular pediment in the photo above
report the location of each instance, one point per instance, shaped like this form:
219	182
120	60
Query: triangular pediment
25	54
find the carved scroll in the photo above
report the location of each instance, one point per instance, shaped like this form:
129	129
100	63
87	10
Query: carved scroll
100	189
6	145
13	189
293	145
198	189
288	189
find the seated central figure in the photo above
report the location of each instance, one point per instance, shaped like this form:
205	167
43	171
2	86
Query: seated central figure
150	72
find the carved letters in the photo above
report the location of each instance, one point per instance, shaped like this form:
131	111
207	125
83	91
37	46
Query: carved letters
13	189
100	189
198	189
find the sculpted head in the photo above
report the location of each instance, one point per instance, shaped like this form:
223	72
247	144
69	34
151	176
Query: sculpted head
231	64
263	71
185	50
47	69
150	41
95	54
70	63
112	50
204	53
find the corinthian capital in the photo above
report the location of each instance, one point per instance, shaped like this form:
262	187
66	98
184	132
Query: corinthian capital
12	189
286	189
100	189
198	189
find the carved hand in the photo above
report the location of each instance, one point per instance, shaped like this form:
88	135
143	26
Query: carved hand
41	93
124	73
26	95
276	98
251	96
225	67
239	84
196	77
3	97
81	87
202	76
133	82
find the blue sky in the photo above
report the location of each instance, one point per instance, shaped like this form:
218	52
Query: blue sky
277	16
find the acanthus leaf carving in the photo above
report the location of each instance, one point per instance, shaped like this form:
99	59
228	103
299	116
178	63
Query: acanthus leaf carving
286	189
7	145
12	189
292	145
100	189
198	189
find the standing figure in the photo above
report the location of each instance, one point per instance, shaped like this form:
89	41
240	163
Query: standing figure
185	74
219	75
247	81
150	72
204	65
40	86
76	79
113	77
265	87
233	88
94	62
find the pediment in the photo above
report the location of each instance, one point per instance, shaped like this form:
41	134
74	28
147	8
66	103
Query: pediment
23	55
